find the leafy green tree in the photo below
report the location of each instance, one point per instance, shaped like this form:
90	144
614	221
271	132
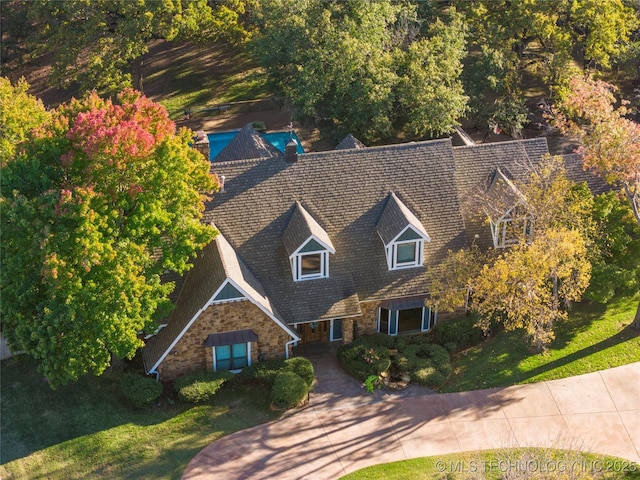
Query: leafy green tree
99	43
610	140
430	91
19	113
103	200
616	259
540	36
363	67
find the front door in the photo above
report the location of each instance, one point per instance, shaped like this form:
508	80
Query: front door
312	332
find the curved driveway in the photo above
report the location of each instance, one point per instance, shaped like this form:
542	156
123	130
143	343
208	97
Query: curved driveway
344	429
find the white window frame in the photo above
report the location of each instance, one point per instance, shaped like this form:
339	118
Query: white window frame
392	251
499	230
296	262
394	317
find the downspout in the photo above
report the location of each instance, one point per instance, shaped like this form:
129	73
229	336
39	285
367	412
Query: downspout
156	373
286	347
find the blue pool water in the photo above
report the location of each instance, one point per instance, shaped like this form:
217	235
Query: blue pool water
217	141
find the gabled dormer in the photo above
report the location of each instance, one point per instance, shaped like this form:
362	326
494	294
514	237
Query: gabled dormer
308	246
402	234
507	209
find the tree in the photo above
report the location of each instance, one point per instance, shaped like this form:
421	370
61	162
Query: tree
99	43
19	113
363	67
616	258
610	142
103	200
540	36
530	284
527	285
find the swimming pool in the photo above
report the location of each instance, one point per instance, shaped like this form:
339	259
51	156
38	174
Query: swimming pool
217	141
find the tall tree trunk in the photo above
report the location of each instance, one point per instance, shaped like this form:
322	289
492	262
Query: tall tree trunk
636	321
136	69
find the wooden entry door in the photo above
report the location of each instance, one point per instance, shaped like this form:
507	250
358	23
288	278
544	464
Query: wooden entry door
310	334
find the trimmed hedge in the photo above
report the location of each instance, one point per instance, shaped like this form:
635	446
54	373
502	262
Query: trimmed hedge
200	386
262	372
303	367
289	389
141	391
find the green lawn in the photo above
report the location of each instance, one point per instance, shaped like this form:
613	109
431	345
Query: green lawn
595	337
499	464
88	430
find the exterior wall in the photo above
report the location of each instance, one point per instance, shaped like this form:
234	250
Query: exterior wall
190	355
368	322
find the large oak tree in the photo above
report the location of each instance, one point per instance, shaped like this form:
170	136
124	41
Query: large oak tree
102	200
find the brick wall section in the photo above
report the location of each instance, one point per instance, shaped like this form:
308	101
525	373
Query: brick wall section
192	356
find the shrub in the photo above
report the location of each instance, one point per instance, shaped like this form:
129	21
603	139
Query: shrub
289	389
140	390
200	386
361	360
262	372
376	340
302	367
458	333
429	364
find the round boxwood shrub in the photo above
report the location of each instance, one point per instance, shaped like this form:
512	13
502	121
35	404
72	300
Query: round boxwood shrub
302	367
140	390
289	389
361	360
200	386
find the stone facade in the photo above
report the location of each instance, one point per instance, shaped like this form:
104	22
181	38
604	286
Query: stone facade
368	322
189	354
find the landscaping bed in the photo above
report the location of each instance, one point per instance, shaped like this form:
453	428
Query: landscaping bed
395	361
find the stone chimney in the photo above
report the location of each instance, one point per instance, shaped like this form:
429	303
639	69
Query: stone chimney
291	151
201	143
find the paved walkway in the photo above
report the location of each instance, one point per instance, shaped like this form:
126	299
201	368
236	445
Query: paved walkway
344	429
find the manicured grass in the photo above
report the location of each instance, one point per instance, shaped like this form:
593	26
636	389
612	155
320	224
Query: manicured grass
595	337
88	430
498	464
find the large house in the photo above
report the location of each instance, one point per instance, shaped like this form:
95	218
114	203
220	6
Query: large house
326	246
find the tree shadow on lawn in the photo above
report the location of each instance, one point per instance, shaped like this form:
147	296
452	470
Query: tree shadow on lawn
35	417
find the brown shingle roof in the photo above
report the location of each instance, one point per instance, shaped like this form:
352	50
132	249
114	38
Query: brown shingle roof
395	218
300	227
350	142
248	143
345	191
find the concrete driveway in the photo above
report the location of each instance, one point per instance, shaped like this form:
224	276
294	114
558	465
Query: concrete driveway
344	429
